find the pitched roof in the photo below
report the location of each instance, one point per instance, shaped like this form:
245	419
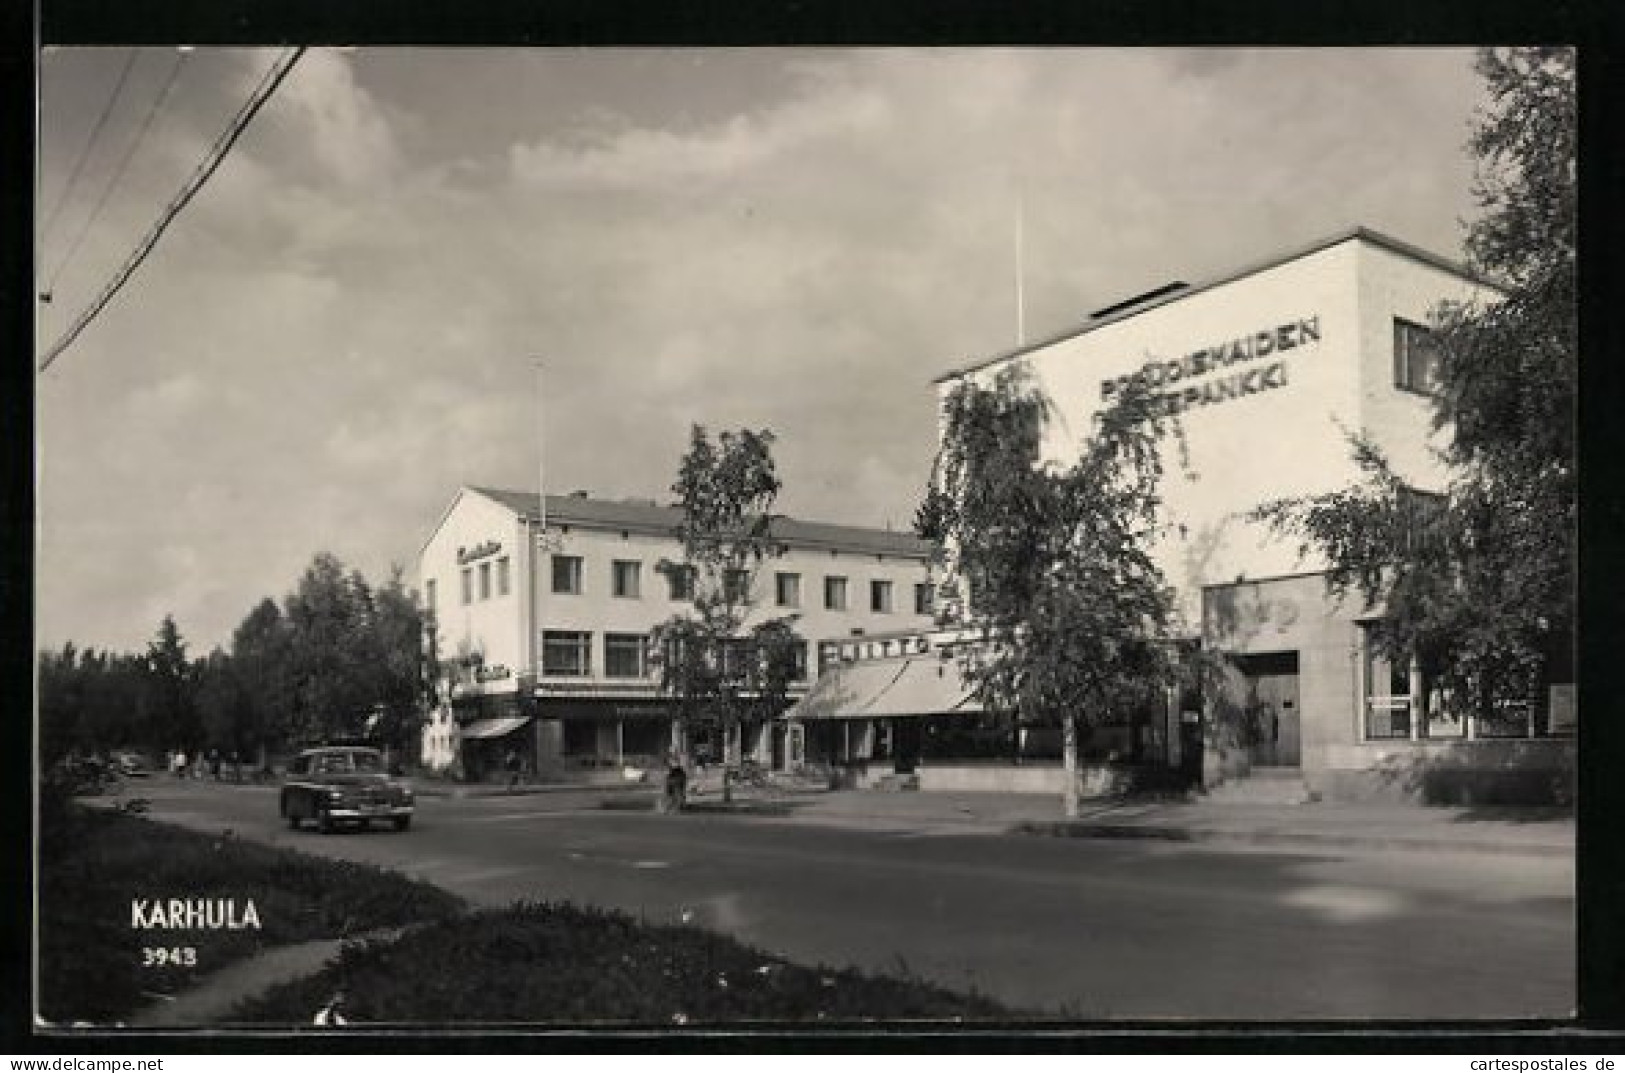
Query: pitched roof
1168	296
648	516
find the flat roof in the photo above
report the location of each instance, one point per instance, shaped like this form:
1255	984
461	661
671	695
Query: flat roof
1363	234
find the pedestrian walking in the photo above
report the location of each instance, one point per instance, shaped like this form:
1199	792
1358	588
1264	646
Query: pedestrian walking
511	762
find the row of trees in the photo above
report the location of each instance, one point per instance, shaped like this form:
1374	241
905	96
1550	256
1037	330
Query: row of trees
338	659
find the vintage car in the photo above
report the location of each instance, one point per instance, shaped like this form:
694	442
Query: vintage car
344	784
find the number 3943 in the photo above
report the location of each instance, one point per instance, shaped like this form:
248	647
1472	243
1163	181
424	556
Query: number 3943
152	956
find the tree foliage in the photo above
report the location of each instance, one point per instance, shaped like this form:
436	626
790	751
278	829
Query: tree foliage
1480	584
339	660
718	672
1072	611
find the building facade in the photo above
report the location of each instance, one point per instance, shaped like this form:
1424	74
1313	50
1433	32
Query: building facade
543	624
1270	370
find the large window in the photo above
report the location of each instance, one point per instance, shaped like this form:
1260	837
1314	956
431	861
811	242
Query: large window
626	655
624	578
835	593
880	597
566	653
567	574
787	589
1416	358
736	585
504	581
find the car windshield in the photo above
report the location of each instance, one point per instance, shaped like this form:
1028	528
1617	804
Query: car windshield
368	763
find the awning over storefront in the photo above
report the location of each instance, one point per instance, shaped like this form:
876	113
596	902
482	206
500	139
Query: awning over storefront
926	686
494	728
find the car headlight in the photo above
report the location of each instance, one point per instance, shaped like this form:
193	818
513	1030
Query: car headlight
335	795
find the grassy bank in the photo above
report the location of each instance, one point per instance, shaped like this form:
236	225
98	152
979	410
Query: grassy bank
95	864
560	964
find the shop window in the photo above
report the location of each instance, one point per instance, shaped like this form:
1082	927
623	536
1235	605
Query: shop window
923	599
567	574
626	655
624	578
566	653
787	589
504	580
468	586
835	593
485	581
880	597
1416	358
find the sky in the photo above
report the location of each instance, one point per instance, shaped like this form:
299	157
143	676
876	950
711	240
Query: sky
342	327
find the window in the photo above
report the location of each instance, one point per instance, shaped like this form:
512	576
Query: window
736	585
468	585
567	574
428	593
624	578
1420	513
504	582
923	598
787	589
1416	358
485	581
880	597
835	593
799	654
680	582
626	655
566	653
1388	698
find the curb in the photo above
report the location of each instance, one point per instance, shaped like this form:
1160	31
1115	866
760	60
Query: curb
1313	839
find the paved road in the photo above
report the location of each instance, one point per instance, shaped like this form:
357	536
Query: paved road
1084	929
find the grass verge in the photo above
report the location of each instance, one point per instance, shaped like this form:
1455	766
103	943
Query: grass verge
95	864
542	963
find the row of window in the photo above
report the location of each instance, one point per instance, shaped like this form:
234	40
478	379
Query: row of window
569	654
1399	707
625	579
477	583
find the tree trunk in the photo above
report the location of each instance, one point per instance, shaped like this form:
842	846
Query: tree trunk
1069	764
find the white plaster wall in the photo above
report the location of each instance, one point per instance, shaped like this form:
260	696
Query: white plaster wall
490	625
1288	441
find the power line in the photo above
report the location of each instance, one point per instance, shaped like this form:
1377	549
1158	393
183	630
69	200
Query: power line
84	151
262	93
118	172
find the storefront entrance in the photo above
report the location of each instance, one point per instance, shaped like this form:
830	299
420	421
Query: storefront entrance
1273	717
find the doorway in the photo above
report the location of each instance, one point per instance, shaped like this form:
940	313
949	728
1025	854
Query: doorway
1274	719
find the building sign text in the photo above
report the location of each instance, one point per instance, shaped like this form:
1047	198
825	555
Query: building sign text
1177	373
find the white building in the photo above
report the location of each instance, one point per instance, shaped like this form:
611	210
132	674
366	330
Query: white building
1270	369
548	637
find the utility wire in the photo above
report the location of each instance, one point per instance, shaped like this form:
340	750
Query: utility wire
84	152
118	173
262	93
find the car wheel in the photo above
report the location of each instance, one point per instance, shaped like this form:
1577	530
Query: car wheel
402	822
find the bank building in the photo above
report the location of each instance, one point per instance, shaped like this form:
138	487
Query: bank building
1269	368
